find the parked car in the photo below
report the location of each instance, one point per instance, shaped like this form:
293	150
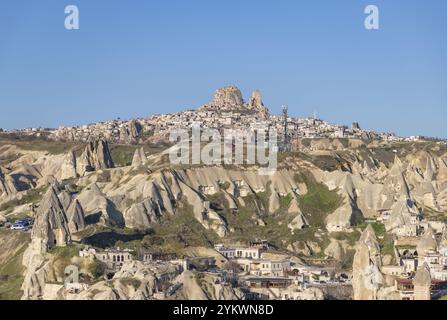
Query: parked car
23	222
18	226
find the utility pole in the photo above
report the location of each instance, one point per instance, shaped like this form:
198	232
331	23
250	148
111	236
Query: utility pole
285	113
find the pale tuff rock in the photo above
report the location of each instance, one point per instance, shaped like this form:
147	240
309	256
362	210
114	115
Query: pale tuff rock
422	283
427	243
75	217
163	191
230	99
442	172
423	276
229	96
367	277
208	288
139	158
147	281
300	221
95	203
143	215
7	184
342	218
443	240
131	132
335	250
68	168
51	226
255	103
304	248
65	198
403	213
255	100
95	156
50	229
158	200
395	185
429	170
442	200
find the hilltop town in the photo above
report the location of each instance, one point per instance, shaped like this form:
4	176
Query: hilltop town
98	212
227	110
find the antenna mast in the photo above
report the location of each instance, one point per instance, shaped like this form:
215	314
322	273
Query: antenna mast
285	113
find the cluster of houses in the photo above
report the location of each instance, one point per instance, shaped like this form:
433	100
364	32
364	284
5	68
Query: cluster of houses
273	278
259	276
418	244
244	118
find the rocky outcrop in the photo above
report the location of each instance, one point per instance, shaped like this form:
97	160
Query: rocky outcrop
366	275
422	283
228	97
7	184
131	132
427	243
143	215
95	156
300	221
68	168
255	103
50	229
51	225
75	217
403	212
98	208
335	250
139	158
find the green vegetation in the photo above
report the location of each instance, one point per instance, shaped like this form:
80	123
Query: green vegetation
32	196
348	260
379	228
253	220
350	237
175	233
318	202
41	144
62	257
387	246
135	283
11	268
122	155
96	269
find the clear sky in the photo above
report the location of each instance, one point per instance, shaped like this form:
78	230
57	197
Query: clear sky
136	58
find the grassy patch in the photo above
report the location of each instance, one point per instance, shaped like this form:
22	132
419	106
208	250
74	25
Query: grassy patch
36	144
318	202
177	232
122	155
11	271
135	283
32	196
62	257
350	237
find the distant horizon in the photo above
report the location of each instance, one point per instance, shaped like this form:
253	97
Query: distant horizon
244	95
133	60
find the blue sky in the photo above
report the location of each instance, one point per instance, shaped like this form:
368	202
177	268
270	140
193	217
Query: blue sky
136	58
